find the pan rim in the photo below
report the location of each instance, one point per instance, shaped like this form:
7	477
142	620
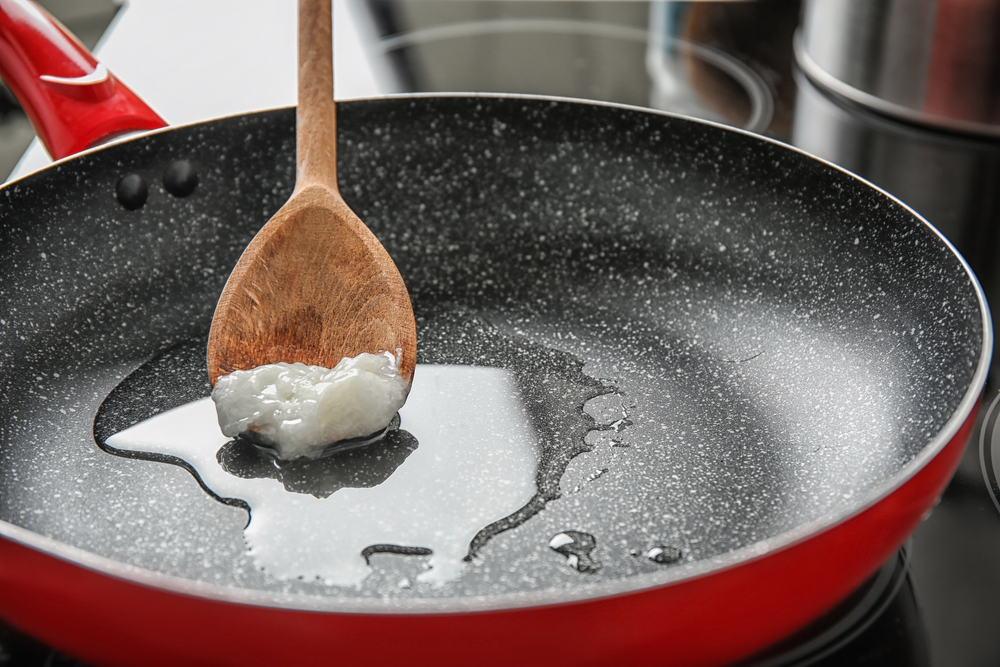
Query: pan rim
586	592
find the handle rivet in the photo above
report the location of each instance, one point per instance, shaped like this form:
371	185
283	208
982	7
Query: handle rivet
180	178
132	191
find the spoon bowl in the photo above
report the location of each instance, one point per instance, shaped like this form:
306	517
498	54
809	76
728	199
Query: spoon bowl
315	285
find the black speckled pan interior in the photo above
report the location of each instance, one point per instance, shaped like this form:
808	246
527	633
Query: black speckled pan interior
783	340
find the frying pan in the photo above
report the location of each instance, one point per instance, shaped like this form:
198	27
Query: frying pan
794	360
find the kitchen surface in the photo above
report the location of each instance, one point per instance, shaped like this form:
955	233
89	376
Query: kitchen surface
772	67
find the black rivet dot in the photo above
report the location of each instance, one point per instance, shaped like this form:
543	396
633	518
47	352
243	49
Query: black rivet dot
131	191
180	178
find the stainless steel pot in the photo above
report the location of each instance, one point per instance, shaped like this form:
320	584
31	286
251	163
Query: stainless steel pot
927	62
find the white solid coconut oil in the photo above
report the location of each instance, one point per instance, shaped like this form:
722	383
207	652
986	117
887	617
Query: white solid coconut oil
299	410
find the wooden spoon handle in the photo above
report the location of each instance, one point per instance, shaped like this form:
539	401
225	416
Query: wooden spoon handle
316	116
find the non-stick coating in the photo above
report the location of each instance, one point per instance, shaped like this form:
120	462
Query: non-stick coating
786	338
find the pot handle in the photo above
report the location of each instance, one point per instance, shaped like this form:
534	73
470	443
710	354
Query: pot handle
72	100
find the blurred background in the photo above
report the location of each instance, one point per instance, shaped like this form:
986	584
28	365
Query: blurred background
905	93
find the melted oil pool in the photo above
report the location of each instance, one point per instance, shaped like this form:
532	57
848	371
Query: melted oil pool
482	445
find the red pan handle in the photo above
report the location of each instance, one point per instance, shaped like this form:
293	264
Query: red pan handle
72	100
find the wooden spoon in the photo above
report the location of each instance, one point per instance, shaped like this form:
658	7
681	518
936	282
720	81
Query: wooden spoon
314	285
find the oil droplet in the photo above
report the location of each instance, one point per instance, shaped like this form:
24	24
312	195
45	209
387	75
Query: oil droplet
576	547
664	555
